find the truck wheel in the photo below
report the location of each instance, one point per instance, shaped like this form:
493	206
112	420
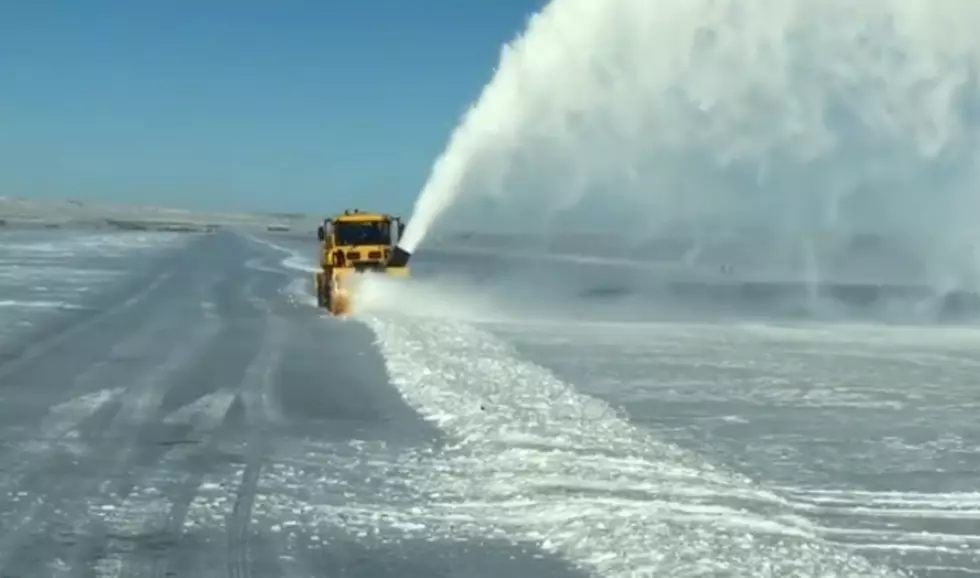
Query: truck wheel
323	295
322	291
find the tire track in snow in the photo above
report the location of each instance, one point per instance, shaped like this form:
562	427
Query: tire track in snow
259	416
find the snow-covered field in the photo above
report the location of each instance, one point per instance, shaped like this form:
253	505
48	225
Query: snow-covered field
621	445
640	448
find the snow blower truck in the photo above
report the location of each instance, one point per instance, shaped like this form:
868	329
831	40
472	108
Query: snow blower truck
356	241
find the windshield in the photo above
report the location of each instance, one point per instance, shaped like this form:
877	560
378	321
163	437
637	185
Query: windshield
362	233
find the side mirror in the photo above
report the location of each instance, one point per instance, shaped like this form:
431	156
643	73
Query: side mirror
320	233
401	229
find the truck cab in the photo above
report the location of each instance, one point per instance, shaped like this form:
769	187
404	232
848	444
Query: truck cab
362	241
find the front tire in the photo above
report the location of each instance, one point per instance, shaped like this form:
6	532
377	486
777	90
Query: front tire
322	291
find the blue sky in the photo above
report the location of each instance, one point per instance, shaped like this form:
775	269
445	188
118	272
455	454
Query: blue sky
239	104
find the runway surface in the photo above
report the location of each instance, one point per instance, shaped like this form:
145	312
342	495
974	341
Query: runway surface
185	416
173	405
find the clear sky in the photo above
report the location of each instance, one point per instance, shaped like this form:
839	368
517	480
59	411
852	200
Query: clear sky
239	104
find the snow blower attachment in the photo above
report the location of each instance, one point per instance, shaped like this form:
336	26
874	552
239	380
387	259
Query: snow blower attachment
356	242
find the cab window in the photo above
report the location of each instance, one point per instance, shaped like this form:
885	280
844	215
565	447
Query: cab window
362	233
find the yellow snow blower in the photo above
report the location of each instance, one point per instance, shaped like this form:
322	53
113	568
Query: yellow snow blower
353	242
